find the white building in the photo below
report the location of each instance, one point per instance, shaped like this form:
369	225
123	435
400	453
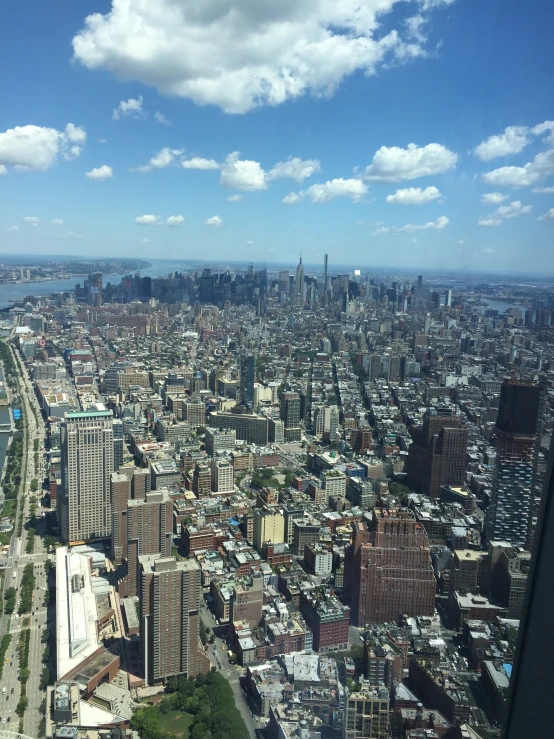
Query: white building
223	476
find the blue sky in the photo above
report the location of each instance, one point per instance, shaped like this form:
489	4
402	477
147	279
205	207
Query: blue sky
419	136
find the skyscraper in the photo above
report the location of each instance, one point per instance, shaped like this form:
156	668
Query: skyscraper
247	374
508	516
87	447
392	573
438	453
290	415
169	593
299	283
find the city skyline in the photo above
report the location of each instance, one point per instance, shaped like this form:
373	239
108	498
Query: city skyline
395	154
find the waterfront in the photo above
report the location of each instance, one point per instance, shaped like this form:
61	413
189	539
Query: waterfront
4	419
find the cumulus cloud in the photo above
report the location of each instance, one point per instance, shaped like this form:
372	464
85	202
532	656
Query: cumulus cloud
489	222
548	216
57	221
545	127
160	117
148	220
131	108
31	220
493	198
242	174
240	54
414	196
513	210
438	225
199	163
175	221
512	141
393	164
545	190
37	148
3	170
292	198
381	231
214	222
524	176
160	160
100	173
325	191
295	169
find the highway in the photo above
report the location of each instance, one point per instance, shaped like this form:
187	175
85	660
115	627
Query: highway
37	620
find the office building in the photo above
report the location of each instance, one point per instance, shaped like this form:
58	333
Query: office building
194	412
219	440
249	427
299	285
326	422
202	480
509	514
290	415
328	619
247	600
87	451
207	286
169	596
269	526
334	484
527	710
392	574
438	453
247	373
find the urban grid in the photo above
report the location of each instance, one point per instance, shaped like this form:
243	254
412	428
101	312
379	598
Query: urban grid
316	491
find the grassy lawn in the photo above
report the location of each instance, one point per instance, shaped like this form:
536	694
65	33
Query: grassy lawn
177	723
8	509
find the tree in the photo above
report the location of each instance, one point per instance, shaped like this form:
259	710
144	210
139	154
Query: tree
22	705
44	678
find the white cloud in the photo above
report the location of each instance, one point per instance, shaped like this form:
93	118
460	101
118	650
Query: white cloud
488	250
249	243
12	229
57	221
292	198
516	177
545	190
160	117
160	160
3	170
31	220
101	141
493	198
439	224
512	141
148	220
548	216
37	148
214	222
489	222
513	210
199	163
295	169
414	196
393	164
244	54
235	198
100	173
381	231
339	187
175	221
545	127
242	174
131	108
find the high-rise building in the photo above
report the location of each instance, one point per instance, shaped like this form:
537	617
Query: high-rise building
283	285
194	411
202	480
508	516
326	422
148	530
392	570
247	373
366	714
87	452
269	526
290	415
93	286
299	283
438	453
528	706
207	286
169	595
247	600
118	443
223	476
219	440
249	427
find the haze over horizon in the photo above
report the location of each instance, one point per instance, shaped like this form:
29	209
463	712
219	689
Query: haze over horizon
421	135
